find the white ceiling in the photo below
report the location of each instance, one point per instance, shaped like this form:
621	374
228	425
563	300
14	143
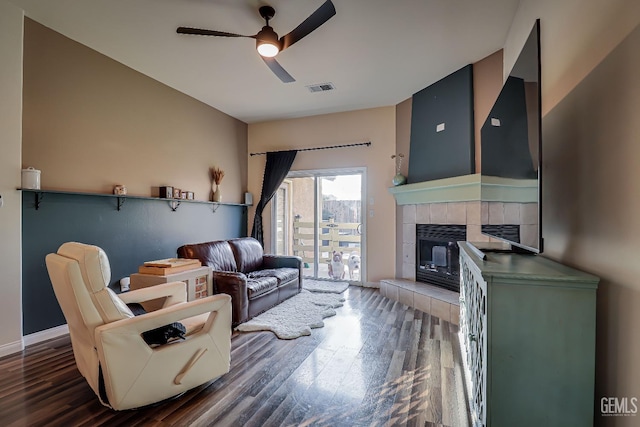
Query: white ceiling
375	52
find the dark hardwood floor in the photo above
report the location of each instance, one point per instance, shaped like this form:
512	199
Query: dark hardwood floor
376	363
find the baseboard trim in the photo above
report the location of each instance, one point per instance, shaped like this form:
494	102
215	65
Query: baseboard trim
10	348
373	285
47	334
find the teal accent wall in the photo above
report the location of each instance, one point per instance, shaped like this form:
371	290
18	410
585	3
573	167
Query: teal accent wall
143	230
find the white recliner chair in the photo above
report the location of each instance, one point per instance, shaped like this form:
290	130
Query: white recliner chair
121	368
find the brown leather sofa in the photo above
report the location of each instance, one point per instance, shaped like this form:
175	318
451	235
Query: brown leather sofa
255	281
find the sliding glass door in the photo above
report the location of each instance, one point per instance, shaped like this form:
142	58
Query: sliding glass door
317	215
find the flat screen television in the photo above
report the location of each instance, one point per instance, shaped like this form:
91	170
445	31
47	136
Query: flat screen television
511	155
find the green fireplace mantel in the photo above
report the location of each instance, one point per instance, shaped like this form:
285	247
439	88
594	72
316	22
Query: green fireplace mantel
467	188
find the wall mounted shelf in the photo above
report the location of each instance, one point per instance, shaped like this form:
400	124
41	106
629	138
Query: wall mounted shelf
120	199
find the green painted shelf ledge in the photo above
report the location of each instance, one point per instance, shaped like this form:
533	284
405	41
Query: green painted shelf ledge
467	188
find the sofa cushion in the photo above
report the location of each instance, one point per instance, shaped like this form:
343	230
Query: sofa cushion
283	275
260	285
248	254
217	255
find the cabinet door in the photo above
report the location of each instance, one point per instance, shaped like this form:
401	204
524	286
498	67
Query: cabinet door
474	336
542	354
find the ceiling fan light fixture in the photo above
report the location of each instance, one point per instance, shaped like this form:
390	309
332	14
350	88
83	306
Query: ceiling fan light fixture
267	49
267	42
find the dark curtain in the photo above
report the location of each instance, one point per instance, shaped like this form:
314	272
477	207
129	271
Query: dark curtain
278	166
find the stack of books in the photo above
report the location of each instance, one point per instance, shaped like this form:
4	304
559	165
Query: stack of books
165	267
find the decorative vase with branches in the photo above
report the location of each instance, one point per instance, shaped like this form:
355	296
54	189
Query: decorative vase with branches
216	178
398	179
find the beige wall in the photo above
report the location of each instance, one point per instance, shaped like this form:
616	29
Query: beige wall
91	122
403	133
10	212
376	125
591	203
403	143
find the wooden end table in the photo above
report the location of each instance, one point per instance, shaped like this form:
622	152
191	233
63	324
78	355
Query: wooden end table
199	282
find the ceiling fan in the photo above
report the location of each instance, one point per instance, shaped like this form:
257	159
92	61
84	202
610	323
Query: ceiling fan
267	42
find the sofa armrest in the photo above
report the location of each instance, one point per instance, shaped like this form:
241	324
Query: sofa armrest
279	261
176	292
235	285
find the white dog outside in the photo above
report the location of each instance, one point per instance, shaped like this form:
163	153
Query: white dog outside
337	265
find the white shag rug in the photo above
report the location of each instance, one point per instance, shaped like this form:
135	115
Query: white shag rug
324	286
296	316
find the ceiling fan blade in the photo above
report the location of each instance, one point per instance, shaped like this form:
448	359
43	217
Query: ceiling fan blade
278	70
316	19
201	32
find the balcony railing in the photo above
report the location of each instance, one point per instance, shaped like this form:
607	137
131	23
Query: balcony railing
332	236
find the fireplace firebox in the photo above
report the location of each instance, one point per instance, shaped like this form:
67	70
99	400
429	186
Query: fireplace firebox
437	254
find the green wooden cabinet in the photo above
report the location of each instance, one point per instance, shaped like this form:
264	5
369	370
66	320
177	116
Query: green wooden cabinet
527	329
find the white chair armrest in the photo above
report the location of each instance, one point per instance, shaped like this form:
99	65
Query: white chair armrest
176	292
130	365
164	316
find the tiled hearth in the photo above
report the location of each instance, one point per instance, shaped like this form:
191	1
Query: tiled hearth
432	299
436	301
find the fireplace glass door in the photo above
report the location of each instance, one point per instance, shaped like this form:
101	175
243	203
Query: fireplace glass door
437	254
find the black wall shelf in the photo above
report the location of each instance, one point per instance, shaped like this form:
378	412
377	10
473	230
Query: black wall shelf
173	203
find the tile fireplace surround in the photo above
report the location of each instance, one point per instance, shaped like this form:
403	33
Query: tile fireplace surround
464	213
449	201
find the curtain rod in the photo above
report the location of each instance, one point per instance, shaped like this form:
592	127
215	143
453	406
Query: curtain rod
319	148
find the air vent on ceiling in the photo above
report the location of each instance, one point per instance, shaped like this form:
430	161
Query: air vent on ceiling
322	87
